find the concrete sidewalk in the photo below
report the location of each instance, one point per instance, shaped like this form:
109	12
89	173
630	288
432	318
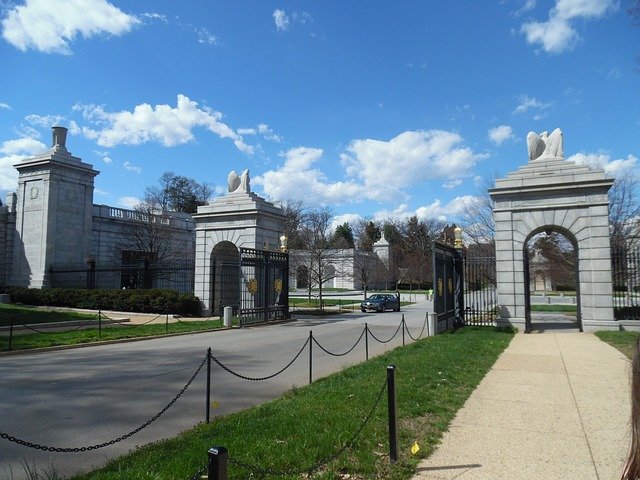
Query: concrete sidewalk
554	406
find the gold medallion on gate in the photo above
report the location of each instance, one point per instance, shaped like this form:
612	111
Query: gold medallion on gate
440	287
252	285
450	285
278	285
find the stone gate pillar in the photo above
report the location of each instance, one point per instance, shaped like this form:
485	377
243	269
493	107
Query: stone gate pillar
551	194
53	214
240	218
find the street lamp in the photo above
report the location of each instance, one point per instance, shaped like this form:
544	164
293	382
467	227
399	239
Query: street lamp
457	237
283	243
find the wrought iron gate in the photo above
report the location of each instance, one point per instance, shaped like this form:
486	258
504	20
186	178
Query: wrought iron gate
480	299
448	301
264	286
625	270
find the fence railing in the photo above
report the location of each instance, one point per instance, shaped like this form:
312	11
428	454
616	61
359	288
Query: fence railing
211	467
625	272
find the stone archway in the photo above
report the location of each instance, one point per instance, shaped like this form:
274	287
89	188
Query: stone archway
225	274
529	326
551	193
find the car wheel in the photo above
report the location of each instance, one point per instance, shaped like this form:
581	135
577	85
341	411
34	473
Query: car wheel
363	310
381	308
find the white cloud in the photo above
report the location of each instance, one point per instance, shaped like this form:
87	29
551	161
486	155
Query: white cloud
388	168
557	34
130	167
155	16
604	161
350	218
206	37
267	133
526	7
264	130
11	152
500	134
45	121
378	170
129	202
162	123
5	106
443	212
98	191
456	182
297	180
527	103
49	26
281	19
104	156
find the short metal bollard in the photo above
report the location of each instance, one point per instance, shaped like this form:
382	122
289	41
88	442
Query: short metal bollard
391	403
218	458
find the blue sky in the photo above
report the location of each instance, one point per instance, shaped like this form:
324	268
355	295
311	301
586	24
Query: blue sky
374	108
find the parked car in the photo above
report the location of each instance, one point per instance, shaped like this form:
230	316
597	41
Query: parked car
381	302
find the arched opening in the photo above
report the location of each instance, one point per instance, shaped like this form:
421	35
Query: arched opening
329	277
551	281
302	277
225	277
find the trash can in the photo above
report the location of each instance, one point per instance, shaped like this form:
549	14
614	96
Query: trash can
228	313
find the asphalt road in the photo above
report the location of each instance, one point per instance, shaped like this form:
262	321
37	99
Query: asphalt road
87	396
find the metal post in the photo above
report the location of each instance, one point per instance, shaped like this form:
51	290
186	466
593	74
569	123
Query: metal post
404	326
218	457
11	331
310	356
166	323
100	324
366	339
391	403
208	384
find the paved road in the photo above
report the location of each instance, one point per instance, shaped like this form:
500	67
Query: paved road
87	396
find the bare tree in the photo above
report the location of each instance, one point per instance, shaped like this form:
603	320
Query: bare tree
477	220
624	210
149	239
177	193
368	269
318	256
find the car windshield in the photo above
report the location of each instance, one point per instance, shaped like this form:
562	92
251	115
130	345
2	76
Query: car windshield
376	297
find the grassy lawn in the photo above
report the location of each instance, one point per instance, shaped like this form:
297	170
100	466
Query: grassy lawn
304	302
623	341
30	315
51	339
554	308
307	425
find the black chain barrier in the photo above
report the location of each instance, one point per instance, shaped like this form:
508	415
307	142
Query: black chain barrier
392	337
200	472
259	379
421	331
46	448
321	463
79	327
340	354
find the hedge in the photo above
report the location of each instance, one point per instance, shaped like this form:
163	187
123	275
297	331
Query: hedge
146	301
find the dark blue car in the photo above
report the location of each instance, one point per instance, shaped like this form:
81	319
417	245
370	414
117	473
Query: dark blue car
381	302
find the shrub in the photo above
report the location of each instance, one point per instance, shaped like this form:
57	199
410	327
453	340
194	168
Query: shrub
146	301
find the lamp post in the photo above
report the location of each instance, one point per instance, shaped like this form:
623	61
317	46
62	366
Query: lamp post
283	243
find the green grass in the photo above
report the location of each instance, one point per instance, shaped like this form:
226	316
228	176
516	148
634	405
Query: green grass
32	315
434	377
304	302
554	308
52	339
623	341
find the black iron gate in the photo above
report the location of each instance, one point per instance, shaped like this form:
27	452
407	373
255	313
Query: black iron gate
480	299
448	301
625	270
264	285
